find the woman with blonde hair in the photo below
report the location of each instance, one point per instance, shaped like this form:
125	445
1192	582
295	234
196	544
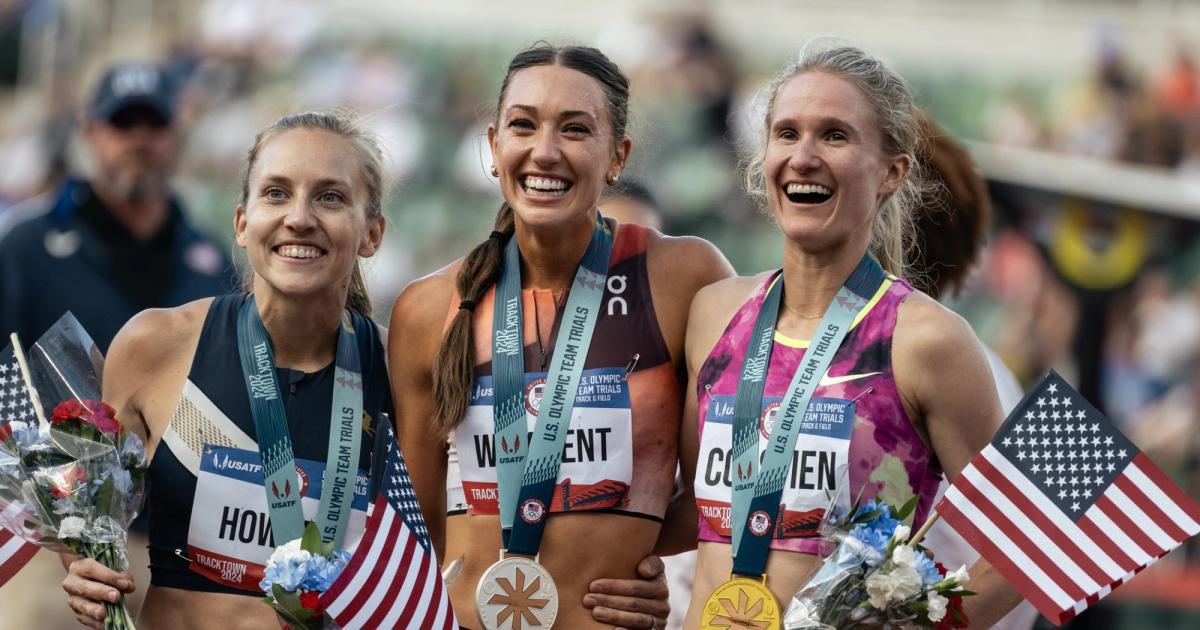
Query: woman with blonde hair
233	394
831	377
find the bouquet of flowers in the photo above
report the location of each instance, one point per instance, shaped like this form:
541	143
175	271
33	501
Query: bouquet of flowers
876	577
296	575
73	481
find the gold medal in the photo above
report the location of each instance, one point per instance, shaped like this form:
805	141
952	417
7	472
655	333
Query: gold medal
742	603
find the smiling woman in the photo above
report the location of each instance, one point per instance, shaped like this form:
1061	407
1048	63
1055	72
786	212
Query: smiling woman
311	206
539	393
836	173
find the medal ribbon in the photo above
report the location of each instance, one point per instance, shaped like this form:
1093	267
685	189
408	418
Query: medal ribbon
275	445
527	468
757	491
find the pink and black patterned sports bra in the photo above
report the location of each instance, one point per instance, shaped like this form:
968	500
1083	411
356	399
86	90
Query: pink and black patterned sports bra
863	444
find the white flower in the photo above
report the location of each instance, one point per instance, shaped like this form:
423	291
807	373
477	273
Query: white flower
71	527
937	606
289	551
896	585
960	575
905	556
901	533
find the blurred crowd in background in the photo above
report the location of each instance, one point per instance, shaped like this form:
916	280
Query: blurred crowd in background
1106	290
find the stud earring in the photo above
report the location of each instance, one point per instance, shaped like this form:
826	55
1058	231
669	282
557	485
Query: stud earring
495	171
612	179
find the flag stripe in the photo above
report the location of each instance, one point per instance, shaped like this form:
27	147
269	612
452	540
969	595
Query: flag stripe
392	580
15	553
1010	500
1103	527
1044	552
365	615
1002	561
1127	526
372	543
1155	512
1108	556
376	565
400	582
435	617
1165	494
1115	549
401	617
1146	520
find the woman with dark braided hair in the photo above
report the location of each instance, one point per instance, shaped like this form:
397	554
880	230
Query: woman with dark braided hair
538	378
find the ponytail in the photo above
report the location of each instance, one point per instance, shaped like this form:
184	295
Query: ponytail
357	298
452	369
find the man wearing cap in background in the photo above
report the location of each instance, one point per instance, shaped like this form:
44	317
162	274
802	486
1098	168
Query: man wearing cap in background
104	248
116	243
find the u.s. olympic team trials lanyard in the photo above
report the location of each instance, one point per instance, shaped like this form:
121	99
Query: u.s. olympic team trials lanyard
526	487
755	500
275	445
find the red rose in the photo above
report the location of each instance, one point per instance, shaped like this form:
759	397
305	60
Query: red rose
312	601
68	410
5	432
94	412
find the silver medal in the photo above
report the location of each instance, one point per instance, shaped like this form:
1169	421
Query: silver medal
516	593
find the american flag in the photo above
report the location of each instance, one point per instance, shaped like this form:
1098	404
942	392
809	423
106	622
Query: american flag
1063	505
392	581
15	406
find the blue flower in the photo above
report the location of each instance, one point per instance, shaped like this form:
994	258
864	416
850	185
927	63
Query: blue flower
321	574
927	569
287	574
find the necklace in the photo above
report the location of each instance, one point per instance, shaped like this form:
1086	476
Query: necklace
798	314
537	322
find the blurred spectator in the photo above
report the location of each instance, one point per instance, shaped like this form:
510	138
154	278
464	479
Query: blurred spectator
116	243
631	202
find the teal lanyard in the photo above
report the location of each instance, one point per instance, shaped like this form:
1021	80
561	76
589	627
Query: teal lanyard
527	468
756	493
275	445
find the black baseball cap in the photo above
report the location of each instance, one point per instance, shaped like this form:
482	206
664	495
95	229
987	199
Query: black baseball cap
134	85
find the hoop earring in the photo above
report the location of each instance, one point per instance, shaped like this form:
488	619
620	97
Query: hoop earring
495	171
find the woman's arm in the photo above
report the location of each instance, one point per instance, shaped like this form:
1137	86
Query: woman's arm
679	269
944	378
141	370
414	335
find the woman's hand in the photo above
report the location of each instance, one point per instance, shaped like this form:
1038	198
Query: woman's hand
640	603
88	585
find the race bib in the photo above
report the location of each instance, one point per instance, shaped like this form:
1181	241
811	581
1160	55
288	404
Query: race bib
597	458
818	468
229	535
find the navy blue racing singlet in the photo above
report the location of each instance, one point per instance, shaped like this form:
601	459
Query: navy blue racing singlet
215	387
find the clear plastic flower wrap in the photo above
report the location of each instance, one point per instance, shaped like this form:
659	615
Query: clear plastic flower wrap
72	478
876	578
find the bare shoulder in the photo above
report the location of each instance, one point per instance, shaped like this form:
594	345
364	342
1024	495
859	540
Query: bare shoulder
933	346
149	360
685	263
155	336
712	309
925	329
420	311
